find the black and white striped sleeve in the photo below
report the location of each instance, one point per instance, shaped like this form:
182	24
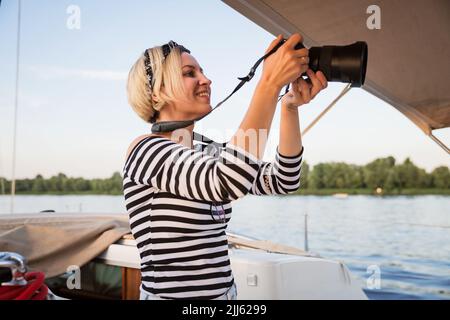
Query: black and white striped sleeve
281	176
165	165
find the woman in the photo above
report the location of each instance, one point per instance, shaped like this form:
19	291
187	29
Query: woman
179	199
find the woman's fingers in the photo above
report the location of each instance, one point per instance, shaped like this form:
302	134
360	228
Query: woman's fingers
301	53
293	40
295	87
316	83
304	88
322	79
304	60
274	43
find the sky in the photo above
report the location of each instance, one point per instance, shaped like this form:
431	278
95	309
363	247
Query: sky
73	114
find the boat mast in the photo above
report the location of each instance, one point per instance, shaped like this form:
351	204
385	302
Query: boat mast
16	104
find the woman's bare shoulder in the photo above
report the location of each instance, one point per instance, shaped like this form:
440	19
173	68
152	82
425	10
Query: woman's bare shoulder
135	142
139	139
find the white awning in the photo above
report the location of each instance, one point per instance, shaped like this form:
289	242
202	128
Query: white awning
409	57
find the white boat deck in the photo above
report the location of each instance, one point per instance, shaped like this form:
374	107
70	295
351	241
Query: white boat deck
260	274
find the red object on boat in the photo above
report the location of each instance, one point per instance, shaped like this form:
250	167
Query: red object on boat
35	289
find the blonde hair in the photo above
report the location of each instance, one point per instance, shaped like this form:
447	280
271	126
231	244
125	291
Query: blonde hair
167	74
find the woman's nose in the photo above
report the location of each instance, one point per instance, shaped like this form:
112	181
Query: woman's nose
205	80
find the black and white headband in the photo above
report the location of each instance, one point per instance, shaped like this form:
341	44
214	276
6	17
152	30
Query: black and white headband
166	48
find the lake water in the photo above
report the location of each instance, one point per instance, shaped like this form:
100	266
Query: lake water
406	238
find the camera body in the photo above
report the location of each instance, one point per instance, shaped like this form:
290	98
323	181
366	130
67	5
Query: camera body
339	63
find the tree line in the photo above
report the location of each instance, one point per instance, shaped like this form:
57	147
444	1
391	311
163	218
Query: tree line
61	184
381	173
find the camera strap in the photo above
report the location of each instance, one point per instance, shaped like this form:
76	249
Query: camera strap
167	126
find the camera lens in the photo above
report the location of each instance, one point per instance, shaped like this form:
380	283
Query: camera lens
340	63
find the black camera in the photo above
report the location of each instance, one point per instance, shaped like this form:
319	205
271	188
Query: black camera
339	63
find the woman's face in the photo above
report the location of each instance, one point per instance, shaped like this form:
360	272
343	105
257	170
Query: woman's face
197	101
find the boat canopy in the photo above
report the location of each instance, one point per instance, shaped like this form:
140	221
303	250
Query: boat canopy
54	242
409	55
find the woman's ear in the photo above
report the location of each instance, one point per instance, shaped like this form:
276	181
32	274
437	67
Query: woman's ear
154	98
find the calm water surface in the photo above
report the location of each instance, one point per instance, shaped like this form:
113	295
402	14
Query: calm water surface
406	237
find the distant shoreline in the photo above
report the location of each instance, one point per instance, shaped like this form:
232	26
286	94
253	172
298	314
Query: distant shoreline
370	192
381	177
301	192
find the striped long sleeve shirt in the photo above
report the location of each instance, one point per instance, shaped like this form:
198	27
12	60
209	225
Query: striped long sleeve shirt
179	204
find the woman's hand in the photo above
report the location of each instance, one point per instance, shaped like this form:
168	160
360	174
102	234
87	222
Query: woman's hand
286	64
302	92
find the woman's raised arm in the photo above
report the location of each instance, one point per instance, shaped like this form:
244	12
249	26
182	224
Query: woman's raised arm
280	68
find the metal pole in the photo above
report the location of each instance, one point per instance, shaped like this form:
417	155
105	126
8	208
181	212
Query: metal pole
439	142
16	103
344	91
306	233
